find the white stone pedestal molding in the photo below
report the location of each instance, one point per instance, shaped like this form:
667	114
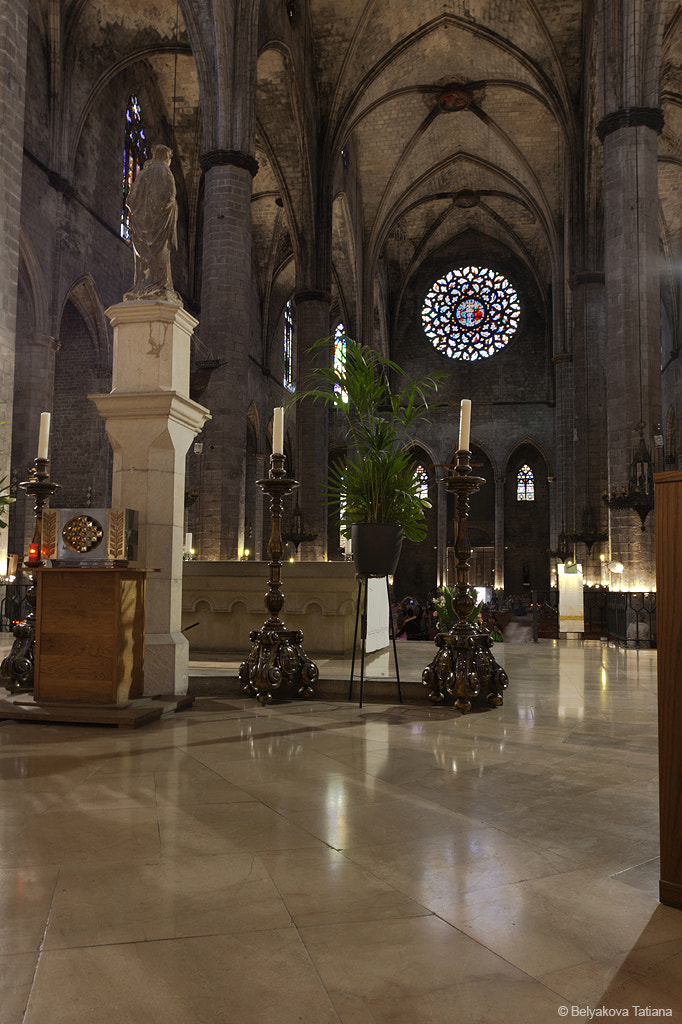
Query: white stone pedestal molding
151	421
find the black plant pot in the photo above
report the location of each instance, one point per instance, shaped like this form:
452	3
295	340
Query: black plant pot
376	548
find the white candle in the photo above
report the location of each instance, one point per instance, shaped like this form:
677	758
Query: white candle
464	424
278	431
188	542
44	436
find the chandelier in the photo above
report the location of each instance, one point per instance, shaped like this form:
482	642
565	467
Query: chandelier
297	533
589	534
638	496
563	551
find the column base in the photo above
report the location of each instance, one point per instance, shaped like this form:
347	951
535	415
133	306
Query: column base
166	663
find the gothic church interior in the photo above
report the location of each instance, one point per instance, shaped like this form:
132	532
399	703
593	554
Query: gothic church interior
360	169
486	189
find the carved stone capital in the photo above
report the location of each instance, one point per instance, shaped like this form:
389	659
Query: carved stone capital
46	341
312	295
61	184
583	277
631	117
228	157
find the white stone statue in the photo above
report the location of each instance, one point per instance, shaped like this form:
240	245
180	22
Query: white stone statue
153	229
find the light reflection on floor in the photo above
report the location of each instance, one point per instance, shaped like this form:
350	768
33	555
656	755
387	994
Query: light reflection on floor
321	862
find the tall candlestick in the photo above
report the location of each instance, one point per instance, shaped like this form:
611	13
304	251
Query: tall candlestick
278	431
464	424
44	436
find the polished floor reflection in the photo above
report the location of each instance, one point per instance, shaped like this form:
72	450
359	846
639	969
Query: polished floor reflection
324	863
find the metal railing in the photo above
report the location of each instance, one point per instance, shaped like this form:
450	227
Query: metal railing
627	618
631	619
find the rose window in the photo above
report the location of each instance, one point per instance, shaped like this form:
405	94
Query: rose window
471	313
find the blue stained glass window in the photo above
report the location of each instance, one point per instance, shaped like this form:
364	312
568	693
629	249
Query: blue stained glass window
525	484
135	153
471	313
288	345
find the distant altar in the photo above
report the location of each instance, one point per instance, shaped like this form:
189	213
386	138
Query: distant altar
226	599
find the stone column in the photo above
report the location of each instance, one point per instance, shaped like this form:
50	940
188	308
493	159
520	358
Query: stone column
499	533
258	517
312	421
633	328
589	377
150	421
564	420
13	43
226	326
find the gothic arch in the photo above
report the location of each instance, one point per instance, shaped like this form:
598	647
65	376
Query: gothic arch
129	60
344	263
478	446
282	135
527	440
279	289
253	425
85	298
379	333
526	523
33	279
82	460
417	572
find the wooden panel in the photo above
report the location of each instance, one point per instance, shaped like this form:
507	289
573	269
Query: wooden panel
90	635
669	620
131	638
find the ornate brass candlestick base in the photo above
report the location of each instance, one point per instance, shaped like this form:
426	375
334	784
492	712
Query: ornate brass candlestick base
464	667
277	654
18	666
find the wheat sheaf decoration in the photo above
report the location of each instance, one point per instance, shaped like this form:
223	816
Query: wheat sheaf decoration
117	534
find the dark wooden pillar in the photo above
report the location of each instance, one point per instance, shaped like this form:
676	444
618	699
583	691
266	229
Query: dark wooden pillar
669	631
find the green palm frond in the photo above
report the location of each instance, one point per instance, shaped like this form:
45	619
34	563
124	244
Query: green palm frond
5	500
377	484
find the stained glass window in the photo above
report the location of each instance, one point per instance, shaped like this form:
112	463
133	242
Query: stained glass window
135	153
288	378
340	358
422	478
525	484
471	313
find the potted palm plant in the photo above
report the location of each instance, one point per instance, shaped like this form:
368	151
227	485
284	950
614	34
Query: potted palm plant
374	490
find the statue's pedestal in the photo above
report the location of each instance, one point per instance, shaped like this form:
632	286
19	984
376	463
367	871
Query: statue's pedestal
151	421
151	346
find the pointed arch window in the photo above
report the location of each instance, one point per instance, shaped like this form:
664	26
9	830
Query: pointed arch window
340	359
135	152
422	479
525	484
288	347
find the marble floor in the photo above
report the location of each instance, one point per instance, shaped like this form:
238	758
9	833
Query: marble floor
321	863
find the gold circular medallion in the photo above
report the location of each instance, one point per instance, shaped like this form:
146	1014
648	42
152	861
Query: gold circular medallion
82	534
